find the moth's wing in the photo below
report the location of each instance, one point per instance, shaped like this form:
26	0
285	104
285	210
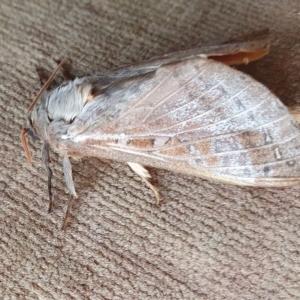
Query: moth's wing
197	117
230	54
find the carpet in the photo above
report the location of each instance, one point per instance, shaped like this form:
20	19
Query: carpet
207	240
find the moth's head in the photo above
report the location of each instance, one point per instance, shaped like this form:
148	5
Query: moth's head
37	116
34	130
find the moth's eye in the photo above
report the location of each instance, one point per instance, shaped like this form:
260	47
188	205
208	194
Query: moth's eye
32	135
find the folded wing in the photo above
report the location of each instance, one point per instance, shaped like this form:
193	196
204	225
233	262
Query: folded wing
197	117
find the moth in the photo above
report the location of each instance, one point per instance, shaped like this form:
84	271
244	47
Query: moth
187	112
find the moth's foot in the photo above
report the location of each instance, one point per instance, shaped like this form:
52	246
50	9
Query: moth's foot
145	175
155	191
70	203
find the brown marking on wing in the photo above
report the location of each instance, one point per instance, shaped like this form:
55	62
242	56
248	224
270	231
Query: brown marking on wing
213	161
144	143
249	139
204	147
176	151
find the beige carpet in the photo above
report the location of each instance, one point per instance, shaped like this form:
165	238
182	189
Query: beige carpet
207	240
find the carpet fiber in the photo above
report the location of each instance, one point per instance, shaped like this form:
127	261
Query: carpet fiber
207	240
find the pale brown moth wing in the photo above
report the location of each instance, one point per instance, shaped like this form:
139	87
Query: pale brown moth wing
197	117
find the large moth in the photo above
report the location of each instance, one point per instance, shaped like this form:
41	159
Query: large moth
187	112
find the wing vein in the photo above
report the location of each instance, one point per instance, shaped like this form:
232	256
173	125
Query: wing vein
222	134
220	122
167	77
193	100
208	111
167	97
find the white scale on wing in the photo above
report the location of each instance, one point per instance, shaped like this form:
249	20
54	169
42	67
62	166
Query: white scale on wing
183	123
178	112
167	97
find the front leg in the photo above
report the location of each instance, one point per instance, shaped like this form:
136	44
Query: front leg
70	184
46	161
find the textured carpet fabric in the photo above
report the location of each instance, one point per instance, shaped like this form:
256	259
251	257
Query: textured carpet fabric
208	240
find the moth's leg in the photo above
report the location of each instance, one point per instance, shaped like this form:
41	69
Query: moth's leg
43	75
46	160
67	70
70	184
144	174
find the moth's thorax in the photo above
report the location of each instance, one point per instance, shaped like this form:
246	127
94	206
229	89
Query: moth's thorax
53	115
67	101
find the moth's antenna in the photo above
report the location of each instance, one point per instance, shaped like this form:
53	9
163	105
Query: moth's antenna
25	145
47	83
